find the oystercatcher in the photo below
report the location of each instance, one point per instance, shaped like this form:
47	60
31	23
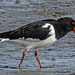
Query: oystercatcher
39	34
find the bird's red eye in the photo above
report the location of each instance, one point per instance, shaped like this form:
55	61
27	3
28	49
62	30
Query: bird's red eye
73	23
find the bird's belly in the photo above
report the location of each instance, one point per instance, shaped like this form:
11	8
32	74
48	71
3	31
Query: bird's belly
47	42
34	43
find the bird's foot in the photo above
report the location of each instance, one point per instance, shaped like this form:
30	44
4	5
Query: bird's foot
20	66
41	67
48	67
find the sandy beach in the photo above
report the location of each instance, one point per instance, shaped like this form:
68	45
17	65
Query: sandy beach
61	55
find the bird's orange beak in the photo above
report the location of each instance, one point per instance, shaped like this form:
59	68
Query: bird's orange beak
74	29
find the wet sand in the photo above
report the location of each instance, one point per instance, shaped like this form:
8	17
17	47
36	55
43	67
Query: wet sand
61	55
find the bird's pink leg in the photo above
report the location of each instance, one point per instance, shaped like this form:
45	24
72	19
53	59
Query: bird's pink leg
36	55
24	53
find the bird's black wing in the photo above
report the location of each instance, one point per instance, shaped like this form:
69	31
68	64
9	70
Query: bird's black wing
32	30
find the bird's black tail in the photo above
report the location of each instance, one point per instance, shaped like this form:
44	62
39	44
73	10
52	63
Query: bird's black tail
14	34
5	34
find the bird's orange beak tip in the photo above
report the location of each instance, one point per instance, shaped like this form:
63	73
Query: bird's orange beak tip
74	29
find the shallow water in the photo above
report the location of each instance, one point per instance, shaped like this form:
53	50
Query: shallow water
14	14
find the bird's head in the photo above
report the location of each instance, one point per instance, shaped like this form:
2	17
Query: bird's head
69	23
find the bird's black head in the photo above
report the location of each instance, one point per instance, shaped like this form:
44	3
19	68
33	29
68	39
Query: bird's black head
68	23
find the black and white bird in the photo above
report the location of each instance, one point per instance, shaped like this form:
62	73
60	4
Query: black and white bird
39	34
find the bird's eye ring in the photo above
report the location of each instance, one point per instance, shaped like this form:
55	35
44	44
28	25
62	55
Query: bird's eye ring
73	23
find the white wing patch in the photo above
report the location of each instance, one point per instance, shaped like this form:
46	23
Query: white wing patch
51	28
46	25
52	31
